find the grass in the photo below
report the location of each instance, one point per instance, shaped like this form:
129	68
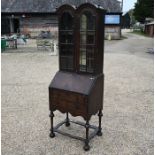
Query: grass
123	37
138	32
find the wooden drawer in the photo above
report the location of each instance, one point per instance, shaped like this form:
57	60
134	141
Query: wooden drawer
66	101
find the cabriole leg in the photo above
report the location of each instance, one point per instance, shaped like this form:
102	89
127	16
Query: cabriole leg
52	134
99	133
87	147
67	120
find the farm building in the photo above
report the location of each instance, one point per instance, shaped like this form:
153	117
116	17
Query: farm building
126	20
113	25
149	29
30	17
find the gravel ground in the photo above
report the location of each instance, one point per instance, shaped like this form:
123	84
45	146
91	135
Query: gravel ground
128	104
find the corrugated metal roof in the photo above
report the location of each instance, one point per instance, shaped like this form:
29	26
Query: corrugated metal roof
152	23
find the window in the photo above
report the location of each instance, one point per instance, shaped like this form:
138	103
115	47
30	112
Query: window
112	19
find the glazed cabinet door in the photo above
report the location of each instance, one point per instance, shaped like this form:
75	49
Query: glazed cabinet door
66	41
87	42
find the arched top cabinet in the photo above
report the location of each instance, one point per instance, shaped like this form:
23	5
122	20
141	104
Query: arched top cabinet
66	17
81	38
77	88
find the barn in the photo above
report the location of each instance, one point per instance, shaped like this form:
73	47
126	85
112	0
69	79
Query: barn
30	17
126	20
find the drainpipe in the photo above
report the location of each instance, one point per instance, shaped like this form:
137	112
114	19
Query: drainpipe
11	24
122	5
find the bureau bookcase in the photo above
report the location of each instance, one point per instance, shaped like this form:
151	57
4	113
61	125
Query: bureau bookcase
78	86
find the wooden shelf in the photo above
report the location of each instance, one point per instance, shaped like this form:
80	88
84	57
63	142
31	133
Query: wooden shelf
87	30
87	44
66	43
66	30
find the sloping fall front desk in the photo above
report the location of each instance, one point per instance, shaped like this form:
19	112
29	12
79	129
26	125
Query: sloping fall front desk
79	95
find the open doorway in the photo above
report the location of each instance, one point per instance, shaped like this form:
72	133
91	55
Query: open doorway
5	25
16	25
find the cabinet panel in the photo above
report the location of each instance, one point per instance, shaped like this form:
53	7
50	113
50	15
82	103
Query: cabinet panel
68	101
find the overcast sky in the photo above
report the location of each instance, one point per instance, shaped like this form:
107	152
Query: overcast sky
128	4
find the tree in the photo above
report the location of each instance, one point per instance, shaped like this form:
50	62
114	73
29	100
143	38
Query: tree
144	9
132	17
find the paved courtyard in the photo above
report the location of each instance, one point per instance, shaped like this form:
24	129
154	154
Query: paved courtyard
128	103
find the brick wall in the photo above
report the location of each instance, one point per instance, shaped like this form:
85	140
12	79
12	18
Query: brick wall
34	25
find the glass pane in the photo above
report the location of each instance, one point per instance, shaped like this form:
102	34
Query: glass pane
63	62
66	57
66	50
66	22
63	50
83	58
66	38
90	38
66	42
66	62
87	41
90	59
70	63
90	67
83	37
83	22
87	21
87	37
90	21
